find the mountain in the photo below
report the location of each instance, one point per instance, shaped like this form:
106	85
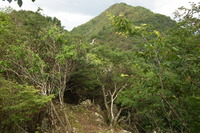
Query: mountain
100	27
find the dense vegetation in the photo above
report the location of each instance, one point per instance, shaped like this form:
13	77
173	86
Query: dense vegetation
142	71
100	28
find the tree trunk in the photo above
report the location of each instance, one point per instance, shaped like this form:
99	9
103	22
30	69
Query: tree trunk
66	124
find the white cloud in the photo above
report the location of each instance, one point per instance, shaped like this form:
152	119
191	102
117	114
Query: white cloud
168	7
71	20
27	5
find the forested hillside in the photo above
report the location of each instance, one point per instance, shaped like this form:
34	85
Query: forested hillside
139	69
100	28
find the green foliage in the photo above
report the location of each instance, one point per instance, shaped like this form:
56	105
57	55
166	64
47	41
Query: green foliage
37	52
151	75
101	28
31	61
4	22
168	74
40	52
192	115
67	52
19	103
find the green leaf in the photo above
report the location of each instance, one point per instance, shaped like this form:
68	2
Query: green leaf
124	75
9	1
19	2
175	48
157	33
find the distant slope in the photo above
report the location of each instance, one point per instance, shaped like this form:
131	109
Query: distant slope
100	27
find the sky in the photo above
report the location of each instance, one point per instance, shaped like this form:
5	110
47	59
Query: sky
76	12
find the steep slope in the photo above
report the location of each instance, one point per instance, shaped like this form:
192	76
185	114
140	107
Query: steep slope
101	29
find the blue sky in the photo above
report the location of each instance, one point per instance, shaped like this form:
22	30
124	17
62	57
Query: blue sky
76	12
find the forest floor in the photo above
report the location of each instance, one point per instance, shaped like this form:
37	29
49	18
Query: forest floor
88	118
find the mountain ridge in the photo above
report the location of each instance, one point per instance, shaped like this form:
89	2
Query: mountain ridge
102	25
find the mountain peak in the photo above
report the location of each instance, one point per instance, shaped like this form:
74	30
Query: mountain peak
100	26
126	10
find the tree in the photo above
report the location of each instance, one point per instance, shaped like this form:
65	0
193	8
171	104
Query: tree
44	57
49	73
19	104
169	73
110	67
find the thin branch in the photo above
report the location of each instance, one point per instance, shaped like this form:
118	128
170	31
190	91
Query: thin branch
119	112
58	117
174	111
104	96
116	95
